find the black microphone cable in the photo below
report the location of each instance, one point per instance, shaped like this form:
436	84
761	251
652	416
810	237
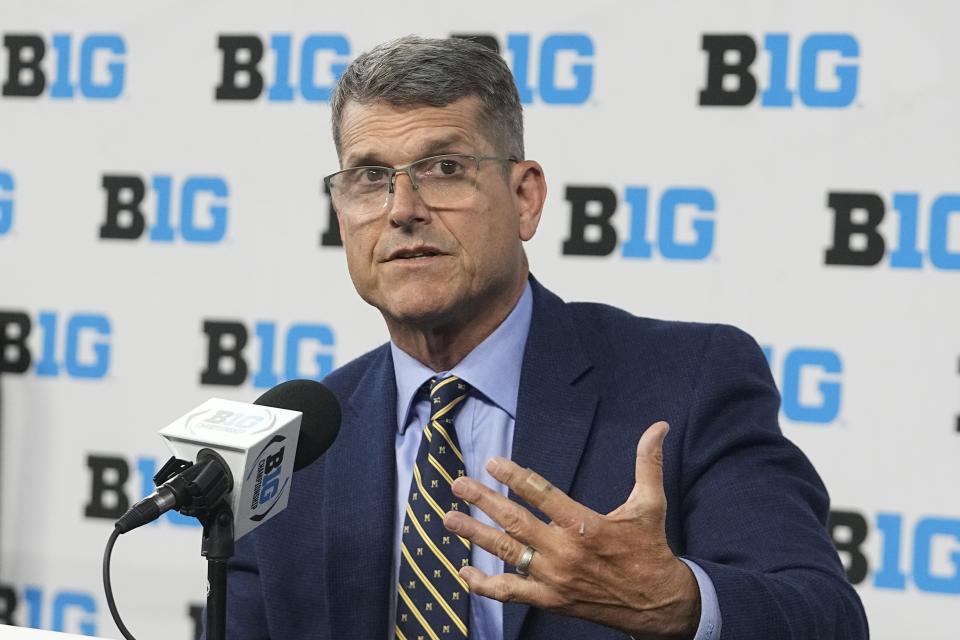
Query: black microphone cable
108	587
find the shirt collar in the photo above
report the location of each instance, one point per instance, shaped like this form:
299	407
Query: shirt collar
492	368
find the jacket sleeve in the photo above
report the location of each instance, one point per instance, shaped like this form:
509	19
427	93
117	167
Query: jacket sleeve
754	509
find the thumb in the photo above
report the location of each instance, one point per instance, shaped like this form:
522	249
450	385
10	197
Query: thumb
647	493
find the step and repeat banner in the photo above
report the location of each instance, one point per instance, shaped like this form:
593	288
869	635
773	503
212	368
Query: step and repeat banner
790	168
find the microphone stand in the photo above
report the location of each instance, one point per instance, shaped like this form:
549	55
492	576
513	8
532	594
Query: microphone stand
202	488
217	548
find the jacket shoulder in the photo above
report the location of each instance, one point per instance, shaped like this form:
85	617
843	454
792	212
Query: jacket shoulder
606	327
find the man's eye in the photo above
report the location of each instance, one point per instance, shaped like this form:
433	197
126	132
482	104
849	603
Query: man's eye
445	167
373	175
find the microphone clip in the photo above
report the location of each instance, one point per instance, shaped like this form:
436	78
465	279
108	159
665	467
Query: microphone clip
193	489
173	466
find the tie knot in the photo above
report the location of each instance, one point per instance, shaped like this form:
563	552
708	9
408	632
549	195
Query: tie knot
446	397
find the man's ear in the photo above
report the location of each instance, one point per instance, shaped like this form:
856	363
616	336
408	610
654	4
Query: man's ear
529	192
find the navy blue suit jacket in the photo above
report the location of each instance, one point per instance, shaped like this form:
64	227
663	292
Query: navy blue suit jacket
743	502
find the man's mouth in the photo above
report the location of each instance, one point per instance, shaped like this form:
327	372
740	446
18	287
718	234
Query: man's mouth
414	254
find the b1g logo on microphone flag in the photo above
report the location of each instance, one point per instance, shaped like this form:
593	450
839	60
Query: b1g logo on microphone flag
251	440
267	487
250	422
66	65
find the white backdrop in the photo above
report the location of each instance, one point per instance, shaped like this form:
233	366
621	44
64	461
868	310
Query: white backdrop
867	357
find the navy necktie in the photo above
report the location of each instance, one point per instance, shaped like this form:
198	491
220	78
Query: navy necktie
432	599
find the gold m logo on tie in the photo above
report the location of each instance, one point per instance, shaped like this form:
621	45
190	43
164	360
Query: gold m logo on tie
454	596
446	628
412	584
436	573
419	551
428	606
446	540
443	449
426	517
403	617
413	496
434	484
455	506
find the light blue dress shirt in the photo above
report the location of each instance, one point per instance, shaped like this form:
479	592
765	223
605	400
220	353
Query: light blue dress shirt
485	429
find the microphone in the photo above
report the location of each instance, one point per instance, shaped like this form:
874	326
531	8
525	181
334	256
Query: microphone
242	453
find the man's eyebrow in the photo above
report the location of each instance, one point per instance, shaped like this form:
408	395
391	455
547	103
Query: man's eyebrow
370	159
449	144
435	147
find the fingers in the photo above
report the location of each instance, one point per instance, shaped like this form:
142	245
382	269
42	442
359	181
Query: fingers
499	543
535	489
648	490
515	520
506	587
650	454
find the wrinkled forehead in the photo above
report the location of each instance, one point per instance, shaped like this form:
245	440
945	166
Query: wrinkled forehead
387	134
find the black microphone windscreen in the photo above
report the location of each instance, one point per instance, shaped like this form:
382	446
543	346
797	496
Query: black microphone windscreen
321	415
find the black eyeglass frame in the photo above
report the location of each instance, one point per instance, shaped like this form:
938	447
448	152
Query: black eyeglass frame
393	171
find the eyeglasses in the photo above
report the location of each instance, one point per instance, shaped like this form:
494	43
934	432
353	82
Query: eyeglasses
440	180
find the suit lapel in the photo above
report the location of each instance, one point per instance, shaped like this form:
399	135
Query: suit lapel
555	408
359	507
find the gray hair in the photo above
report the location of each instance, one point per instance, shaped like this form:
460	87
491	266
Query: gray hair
414	71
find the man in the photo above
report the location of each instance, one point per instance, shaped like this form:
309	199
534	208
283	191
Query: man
548	419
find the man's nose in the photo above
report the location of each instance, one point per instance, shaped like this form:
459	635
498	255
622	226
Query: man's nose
405	204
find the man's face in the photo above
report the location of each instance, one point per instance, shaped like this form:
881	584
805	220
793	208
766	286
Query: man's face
429	267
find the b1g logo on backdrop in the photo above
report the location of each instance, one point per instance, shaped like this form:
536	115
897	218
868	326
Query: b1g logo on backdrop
67	66
913	554
556	69
227	356
74	345
192	209
859	242
116	482
56	609
810	382
675	223
296	67
7	185
820	70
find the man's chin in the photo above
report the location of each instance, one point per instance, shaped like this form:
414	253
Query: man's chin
422	315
